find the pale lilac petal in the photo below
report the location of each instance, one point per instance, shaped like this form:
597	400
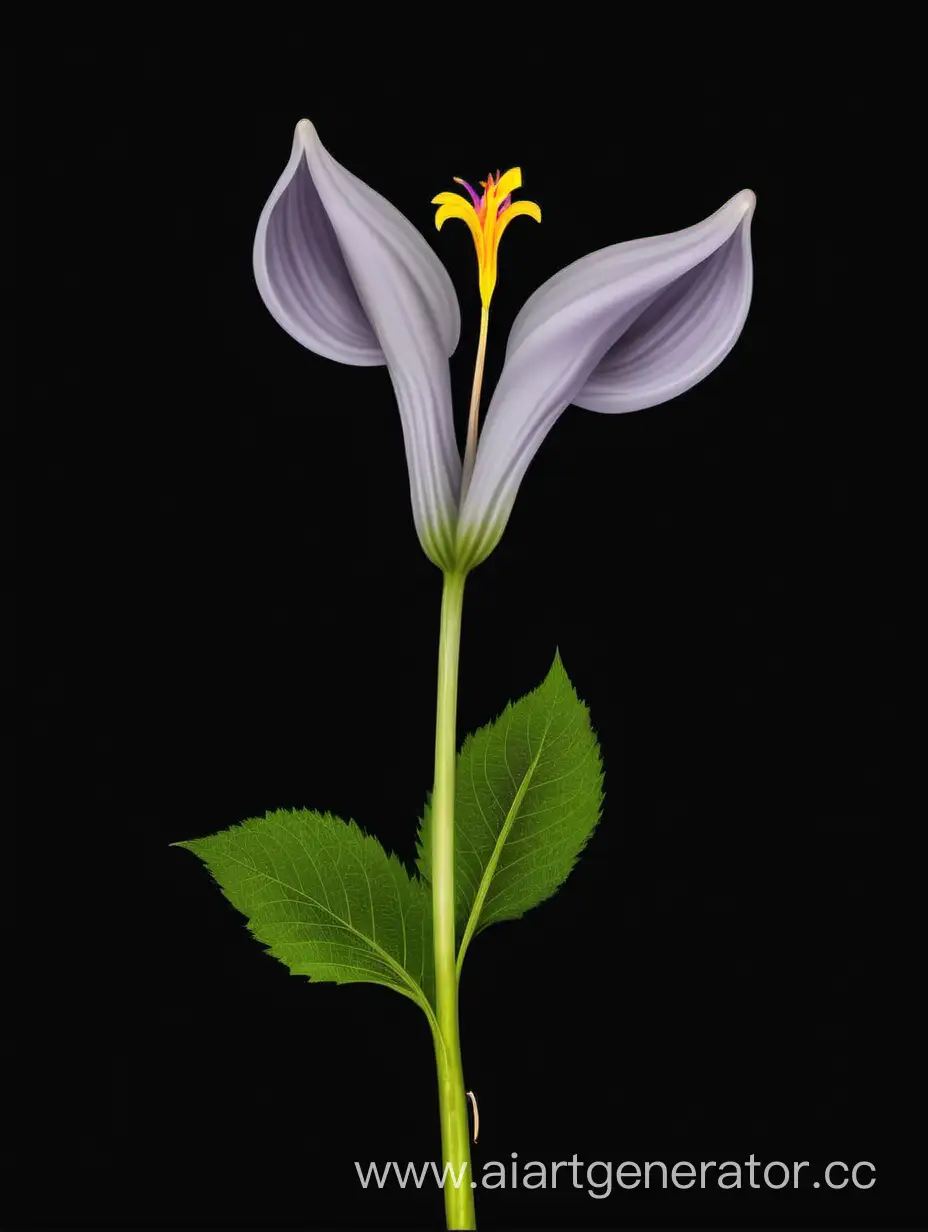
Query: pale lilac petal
301	272
622	329
349	277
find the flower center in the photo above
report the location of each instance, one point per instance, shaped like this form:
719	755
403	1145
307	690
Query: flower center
487	217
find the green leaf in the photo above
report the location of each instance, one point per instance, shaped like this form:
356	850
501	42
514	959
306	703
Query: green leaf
528	796
326	899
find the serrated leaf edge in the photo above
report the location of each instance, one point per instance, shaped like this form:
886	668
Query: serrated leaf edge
559	677
413	990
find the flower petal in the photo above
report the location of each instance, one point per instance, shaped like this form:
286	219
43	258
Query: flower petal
521	209
624	328
508	183
301	272
349	277
453	205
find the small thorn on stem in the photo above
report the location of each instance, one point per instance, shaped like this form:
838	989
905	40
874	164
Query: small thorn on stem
473	1099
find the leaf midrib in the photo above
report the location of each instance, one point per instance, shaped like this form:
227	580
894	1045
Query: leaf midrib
490	870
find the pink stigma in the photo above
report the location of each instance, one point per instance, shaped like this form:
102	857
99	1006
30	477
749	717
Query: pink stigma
478	201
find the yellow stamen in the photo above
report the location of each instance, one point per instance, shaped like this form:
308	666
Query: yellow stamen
486	224
485	221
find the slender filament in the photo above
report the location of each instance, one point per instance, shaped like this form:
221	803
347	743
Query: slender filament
473	417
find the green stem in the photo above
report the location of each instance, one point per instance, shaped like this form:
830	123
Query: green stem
452	1097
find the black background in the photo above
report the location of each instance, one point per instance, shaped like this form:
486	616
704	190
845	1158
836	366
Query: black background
226	610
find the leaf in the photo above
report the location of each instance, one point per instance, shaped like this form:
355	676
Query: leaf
528	796
326	899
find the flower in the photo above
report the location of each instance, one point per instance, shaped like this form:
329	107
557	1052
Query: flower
625	328
487	216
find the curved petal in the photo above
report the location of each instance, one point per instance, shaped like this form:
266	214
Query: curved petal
453	205
350	278
508	182
521	209
624	328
